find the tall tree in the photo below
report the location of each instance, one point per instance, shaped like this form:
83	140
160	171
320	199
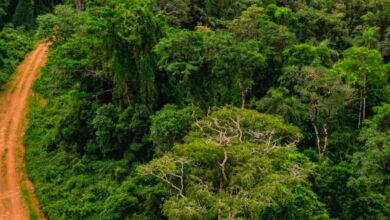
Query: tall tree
132	31
3	11
363	68
371	181
24	14
324	94
236	164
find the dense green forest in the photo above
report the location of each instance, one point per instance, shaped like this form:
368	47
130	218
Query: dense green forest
16	32
207	109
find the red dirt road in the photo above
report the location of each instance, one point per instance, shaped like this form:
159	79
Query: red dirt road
13	204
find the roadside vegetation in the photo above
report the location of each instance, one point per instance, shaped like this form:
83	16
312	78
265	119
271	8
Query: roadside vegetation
14	45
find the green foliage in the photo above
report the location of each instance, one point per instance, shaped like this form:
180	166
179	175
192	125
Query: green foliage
330	184
170	125
178	12
4	4
136	114
364	182
58	26
385	45
24	14
185	49
322	92
278	101
119	130
233	164
14	45
73	186
364	70
316	25
134	33
360	62
372	181
265	25
307	55
249	126
186	55
368	37
367	61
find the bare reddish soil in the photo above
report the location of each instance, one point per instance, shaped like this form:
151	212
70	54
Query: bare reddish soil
13	205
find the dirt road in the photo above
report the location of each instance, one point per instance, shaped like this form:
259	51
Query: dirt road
17	200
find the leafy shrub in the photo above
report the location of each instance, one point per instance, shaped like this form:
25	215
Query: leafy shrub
14	45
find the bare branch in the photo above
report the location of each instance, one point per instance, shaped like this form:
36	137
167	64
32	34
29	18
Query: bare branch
222	165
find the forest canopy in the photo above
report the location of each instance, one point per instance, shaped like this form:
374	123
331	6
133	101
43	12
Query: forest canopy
214	109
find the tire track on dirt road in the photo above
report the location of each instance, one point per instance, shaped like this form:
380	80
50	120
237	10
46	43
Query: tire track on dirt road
12	203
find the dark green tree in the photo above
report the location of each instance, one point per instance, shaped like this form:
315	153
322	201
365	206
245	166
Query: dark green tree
371	181
363	69
237	164
24	14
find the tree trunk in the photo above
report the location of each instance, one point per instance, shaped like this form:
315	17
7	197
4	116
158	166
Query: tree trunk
325	128
318	138
219	214
364	109
231	216
225	159
364	98
80	5
219	208
242	100
243	94
360	108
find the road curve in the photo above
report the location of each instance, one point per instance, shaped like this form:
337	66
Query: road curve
12	118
